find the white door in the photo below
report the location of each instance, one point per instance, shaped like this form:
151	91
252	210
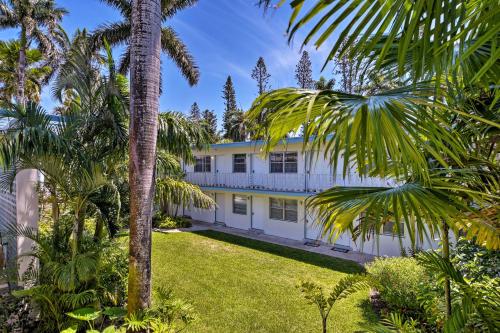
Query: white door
219	211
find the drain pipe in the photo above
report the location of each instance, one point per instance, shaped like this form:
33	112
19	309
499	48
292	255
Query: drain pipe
251	212
305	220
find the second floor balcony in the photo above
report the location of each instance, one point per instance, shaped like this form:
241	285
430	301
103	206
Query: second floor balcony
285	182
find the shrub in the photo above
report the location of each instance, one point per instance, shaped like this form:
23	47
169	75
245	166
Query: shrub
397	280
475	262
168	222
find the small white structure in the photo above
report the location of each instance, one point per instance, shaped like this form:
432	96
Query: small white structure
267	194
19	207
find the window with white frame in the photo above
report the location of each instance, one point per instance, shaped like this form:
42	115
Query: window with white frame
239	204
202	164
239	163
283	162
389	229
283	209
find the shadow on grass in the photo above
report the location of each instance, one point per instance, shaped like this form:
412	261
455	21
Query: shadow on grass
336	264
370	318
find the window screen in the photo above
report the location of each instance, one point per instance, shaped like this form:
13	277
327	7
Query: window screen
291	162
239	204
202	164
239	163
283	210
283	162
389	229
276	160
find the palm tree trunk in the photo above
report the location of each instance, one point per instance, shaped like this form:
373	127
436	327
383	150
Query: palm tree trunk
21	67
144	93
446	256
55	214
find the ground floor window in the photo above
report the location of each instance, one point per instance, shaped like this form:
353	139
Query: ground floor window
283	209
389	229
239	204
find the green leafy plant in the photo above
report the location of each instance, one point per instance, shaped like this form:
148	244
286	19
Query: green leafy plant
397	280
168	222
316	295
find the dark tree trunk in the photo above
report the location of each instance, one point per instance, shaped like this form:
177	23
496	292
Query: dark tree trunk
144	93
446	256
21	68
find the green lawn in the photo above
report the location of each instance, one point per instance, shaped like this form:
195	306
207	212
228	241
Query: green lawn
242	285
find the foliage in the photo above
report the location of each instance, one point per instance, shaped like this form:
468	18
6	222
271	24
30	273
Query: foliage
37	71
65	279
194	112
118	33
324	84
232	119
303	72
475	262
210	120
173	194
315	295
168	222
477	303
395	322
397	280
261	76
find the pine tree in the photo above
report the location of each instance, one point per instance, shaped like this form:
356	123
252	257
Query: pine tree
194	113
210	120
303	72
230	109
260	74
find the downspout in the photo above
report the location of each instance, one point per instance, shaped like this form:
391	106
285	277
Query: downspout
305	220
251	212
305	173
215	210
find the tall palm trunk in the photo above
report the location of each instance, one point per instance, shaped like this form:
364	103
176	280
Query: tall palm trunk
144	92
21	67
446	256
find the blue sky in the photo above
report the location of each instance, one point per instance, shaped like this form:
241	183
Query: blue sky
226	37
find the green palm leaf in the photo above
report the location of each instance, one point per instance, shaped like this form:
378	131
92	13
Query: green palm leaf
388	132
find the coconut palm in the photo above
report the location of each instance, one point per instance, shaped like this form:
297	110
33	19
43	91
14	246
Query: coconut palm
36	73
37	21
119	33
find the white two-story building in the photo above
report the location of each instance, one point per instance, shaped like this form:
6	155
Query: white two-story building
267	194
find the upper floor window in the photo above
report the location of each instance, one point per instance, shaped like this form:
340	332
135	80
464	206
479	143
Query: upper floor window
239	204
240	163
283	209
283	162
202	164
389	228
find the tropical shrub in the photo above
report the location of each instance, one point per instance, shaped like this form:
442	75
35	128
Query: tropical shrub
397	280
67	278
164	221
475	262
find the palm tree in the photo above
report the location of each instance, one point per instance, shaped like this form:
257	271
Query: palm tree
145	49
119	33
37	21
37	71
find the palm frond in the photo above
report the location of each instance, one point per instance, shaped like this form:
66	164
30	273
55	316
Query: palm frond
177	135
383	133
171	191
172	45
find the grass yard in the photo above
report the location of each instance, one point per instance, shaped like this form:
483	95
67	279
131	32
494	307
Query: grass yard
242	285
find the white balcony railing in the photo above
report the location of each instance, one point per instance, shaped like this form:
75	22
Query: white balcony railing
288	182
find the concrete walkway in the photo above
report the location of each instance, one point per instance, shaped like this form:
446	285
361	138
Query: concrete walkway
324	249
